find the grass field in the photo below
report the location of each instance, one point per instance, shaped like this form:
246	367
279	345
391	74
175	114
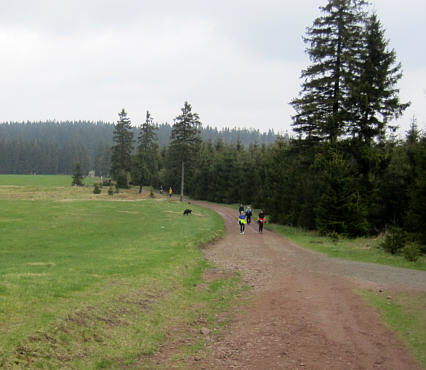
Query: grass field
97	281
44	187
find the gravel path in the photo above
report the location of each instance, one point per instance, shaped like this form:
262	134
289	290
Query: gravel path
362	272
303	312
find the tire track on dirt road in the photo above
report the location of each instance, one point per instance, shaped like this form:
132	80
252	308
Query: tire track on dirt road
303	312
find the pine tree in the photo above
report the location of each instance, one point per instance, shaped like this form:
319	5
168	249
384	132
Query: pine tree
416	211
202	172
77	175
121	150
185	139
334	45
147	157
339	209
374	94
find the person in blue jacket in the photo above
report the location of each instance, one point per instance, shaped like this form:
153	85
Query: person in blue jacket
248	215
242	222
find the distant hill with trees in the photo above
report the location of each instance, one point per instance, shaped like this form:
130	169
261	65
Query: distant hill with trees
54	147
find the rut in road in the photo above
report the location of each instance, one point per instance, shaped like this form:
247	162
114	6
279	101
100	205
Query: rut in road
303	312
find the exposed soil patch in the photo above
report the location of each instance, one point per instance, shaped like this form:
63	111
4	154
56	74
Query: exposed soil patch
303	312
216	274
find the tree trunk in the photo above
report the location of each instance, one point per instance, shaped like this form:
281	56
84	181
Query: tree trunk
182	180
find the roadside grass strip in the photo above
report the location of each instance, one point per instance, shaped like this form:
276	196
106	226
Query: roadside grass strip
97	284
404	313
357	249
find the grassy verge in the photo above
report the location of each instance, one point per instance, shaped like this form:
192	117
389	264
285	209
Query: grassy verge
102	284
405	313
358	249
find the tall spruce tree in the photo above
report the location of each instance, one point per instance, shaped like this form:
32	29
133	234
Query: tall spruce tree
147	157
185	139
122	150
334	46
374	94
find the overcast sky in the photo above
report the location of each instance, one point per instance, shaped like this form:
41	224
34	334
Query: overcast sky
236	62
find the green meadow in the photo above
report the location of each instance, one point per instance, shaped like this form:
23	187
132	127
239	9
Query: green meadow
101	282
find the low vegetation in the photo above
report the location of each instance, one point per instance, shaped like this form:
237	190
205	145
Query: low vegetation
89	280
357	249
405	314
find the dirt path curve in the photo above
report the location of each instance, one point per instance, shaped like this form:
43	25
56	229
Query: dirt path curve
303	313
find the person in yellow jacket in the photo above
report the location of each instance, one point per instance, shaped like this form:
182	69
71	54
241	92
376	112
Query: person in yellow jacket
242	222
170	192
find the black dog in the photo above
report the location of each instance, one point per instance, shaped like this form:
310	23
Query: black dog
187	212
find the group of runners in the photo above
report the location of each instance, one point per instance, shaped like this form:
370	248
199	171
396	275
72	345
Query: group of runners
244	218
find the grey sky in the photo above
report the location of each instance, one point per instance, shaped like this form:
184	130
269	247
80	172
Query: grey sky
237	62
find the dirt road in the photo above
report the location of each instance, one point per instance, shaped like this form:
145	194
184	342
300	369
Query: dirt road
303	311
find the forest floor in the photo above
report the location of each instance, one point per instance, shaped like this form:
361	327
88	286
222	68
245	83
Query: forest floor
302	310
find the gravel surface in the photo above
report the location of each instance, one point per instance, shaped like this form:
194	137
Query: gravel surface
303	312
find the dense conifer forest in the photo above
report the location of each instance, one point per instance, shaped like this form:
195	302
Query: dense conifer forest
54	147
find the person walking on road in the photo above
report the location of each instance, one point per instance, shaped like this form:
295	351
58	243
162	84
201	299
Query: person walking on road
248	215
241	209
261	220
242	222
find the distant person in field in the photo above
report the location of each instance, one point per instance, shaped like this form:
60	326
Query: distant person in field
161	189
241	209
248	215
242	222
261	220
170	192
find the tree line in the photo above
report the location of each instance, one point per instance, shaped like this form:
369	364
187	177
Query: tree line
299	183
344	172
53	147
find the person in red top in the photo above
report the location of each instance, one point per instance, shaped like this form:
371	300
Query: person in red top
261	220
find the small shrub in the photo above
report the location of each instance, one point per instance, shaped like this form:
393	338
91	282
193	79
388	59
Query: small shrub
334	236
77	176
411	252
151	194
111	190
97	188
106	182
394	240
123	180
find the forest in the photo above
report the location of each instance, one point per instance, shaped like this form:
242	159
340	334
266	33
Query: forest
343	172
54	147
